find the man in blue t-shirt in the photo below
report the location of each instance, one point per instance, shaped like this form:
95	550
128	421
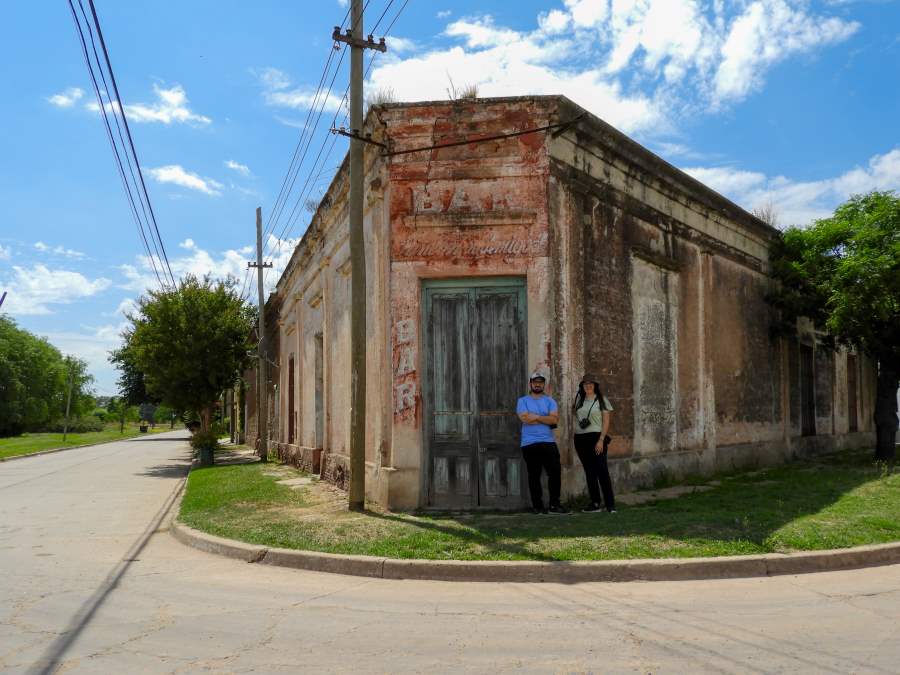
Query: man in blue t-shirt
537	412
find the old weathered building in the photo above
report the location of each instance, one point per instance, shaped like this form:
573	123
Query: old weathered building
569	248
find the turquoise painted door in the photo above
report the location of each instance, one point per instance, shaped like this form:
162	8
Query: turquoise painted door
475	371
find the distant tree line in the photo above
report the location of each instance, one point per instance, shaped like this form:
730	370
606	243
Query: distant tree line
34	381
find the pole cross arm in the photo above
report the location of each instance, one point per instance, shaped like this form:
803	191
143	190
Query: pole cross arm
350	39
253	264
351	133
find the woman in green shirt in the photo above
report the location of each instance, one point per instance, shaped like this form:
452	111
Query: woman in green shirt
592	410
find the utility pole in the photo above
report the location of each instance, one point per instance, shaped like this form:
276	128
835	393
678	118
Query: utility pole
68	400
262	404
354	38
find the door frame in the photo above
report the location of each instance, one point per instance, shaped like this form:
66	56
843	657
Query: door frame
507	281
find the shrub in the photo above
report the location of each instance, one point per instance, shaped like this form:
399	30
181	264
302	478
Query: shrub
79	426
204	440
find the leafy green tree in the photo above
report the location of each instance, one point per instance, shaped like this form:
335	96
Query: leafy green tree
190	342
843	272
131	379
34	380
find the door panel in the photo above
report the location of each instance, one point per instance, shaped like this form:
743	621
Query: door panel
451	441
475	371
500	367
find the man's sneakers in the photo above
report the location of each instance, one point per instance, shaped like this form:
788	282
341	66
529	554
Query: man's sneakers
592	508
538	511
558	510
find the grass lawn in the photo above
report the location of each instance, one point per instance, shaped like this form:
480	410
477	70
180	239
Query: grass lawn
27	444
834	501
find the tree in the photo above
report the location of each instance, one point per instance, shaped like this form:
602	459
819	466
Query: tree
132	388
190	343
843	272
34	380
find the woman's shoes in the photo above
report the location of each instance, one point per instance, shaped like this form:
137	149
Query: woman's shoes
592	508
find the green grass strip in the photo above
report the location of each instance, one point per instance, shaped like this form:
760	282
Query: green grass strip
836	501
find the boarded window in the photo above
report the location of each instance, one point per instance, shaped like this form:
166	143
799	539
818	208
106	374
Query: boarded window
655	349
851	392
320	392
807	391
290	410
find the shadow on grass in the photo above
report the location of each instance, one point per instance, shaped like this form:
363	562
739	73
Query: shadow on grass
477	536
740	515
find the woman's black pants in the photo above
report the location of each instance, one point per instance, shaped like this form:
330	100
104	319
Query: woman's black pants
596	471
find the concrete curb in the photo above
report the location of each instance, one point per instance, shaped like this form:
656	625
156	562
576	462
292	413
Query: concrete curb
663	569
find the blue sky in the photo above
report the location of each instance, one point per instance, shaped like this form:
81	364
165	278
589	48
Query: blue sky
791	103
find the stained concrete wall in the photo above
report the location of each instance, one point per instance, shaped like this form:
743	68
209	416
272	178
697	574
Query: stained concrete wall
673	317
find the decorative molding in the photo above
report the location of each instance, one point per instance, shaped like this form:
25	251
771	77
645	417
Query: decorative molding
469	219
655	258
316	299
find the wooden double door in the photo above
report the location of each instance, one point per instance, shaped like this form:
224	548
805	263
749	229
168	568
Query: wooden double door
475	357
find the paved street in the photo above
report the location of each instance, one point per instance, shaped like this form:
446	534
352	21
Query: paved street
94	583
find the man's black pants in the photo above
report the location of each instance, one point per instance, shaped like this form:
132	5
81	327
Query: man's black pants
596	470
542	456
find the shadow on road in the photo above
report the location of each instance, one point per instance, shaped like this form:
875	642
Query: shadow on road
53	656
166	471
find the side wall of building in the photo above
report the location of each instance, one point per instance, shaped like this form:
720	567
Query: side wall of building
666	302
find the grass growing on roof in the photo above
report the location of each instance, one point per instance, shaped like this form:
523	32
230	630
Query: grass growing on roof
834	501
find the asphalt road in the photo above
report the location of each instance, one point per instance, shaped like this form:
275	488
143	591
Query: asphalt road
92	582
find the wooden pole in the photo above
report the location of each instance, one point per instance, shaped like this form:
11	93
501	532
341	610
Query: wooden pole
68	400
357	497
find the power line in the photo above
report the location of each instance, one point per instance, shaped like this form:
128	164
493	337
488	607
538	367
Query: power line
112	142
121	111
484	139
320	104
309	183
274	213
381	18
277	209
118	125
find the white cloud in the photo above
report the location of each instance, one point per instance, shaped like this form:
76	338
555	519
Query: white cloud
178	175
511	69
58	250
5	252
767	32
444	13
242	169
639	64
555	21
197	261
171	106
34	290
801	202
400	45
481	32
277	92
67	98
93	344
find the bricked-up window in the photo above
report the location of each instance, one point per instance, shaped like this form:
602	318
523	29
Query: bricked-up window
851	392
290	410
320	391
807	391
